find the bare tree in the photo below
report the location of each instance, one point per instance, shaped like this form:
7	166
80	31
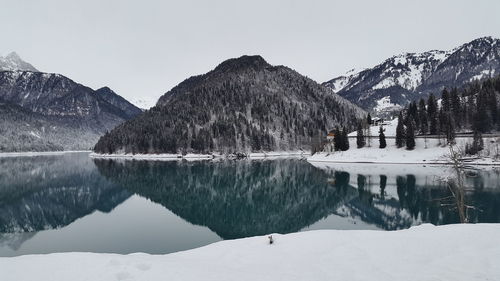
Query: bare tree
456	185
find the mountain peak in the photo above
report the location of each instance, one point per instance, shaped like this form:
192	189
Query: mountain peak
104	89
14	62
244	62
13	55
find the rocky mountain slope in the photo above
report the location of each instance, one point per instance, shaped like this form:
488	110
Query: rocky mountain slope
46	111
410	76
243	105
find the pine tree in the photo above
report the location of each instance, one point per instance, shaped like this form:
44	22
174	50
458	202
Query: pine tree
369	119
432	110
410	136
422	114
456	108
400	132
482	121
360	138
449	127
381	137
445	101
345	139
477	144
337	139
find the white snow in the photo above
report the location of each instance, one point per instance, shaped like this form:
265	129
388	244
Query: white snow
433	154
144	103
426	252
384	105
427	150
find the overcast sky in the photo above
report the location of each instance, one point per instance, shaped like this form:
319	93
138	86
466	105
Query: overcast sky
141	49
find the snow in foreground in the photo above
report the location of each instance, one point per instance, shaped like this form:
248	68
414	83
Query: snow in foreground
452	252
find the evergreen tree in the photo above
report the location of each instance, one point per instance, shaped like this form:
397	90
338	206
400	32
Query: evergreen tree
360	138
369	119
482	121
345	139
422	114
381	137
410	136
432	112
477	144
337	139
449	127
456	108
470	110
445	101
400	132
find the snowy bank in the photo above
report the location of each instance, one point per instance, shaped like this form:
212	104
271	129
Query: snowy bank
426	252
191	156
427	151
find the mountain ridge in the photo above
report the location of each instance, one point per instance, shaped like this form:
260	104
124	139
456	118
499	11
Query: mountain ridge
244	104
409	76
48	111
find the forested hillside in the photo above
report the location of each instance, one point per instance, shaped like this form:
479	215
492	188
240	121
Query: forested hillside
243	105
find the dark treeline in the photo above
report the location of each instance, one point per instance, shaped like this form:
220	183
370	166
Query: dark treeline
473	109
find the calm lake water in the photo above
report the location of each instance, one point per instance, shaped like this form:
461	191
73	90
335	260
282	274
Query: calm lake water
71	202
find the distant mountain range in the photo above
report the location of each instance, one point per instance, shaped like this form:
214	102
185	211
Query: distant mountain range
410	76
46	111
243	105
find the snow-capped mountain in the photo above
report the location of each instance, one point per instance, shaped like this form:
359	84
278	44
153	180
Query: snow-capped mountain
243	105
144	103
46	111
410	76
13	62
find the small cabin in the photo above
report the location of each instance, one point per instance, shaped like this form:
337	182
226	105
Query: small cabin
330	136
377	121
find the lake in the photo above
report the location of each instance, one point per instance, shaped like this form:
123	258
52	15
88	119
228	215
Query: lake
72	202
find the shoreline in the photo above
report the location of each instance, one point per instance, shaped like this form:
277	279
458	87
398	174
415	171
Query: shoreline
193	157
480	162
40	153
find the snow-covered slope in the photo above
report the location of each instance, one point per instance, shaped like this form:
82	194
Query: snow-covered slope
12	61
409	76
426	252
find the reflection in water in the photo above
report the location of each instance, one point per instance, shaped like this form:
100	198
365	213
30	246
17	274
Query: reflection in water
234	198
40	193
395	197
246	198
41	199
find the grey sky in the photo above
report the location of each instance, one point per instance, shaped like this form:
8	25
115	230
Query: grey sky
141	49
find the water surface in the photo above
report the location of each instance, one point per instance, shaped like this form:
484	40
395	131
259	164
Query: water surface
71	202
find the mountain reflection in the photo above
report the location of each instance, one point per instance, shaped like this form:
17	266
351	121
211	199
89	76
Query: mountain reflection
234	198
245	198
48	192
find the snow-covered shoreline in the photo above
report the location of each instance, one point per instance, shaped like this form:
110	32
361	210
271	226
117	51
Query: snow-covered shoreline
42	153
426	252
193	157
425	152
